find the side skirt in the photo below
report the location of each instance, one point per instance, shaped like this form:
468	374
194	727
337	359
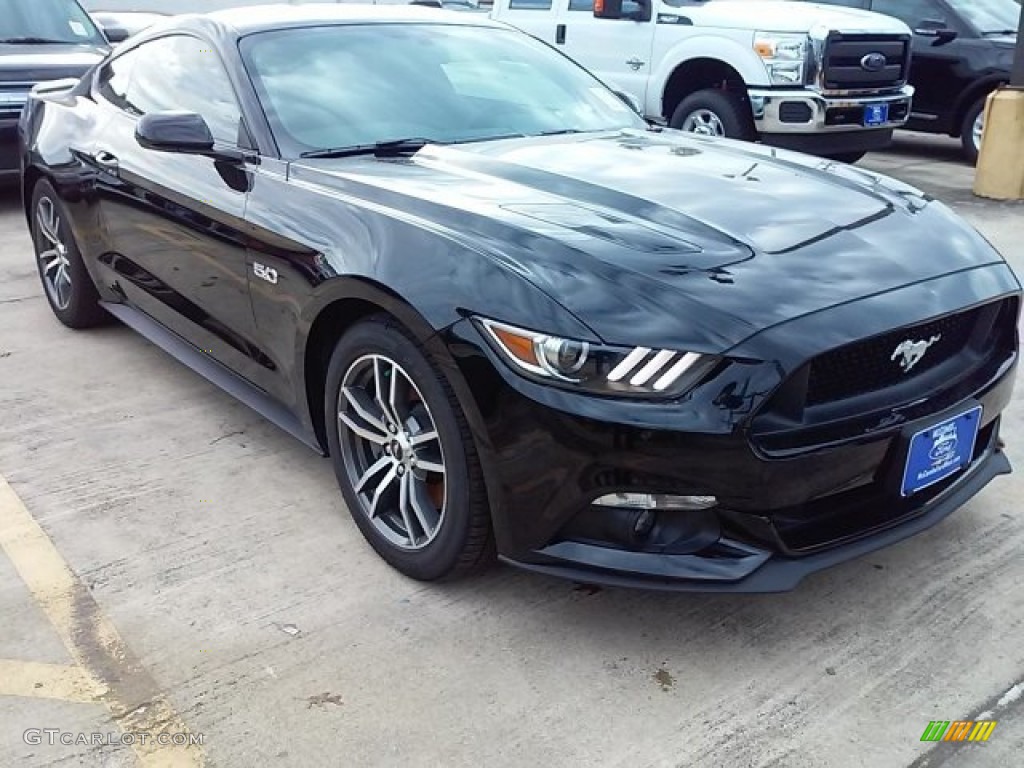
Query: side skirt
210	369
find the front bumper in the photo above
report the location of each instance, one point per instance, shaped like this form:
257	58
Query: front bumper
808	120
752	568
790	502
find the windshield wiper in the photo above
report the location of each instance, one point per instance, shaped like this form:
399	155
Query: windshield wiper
389	148
999	32
34	41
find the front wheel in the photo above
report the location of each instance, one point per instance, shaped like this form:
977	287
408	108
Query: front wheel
403	454
715	113
69	288
973	129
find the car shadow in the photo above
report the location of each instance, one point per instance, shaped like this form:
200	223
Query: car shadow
10	198
923	146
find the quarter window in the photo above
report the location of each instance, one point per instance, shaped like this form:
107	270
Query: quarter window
114	79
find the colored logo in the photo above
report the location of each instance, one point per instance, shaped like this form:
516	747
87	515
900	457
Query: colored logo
959	730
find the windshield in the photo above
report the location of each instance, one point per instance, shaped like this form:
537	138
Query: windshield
353	85
47	21
990	15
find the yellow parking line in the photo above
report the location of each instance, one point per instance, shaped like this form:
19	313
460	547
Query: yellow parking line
129	691
48	681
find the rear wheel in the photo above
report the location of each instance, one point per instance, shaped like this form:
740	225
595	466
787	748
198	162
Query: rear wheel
972	129
714	112
68	286
403	454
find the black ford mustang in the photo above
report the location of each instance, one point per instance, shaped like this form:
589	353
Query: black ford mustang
516	317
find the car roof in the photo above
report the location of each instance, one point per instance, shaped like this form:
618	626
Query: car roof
260	18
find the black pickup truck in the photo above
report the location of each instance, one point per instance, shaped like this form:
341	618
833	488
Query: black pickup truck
40	41
963	50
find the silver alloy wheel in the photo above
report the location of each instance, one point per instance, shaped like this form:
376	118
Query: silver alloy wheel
977	130
392	452
53	254
704	122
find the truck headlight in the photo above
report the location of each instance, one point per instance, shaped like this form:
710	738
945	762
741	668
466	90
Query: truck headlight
784	56
596	368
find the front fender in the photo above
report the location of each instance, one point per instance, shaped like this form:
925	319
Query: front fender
709	46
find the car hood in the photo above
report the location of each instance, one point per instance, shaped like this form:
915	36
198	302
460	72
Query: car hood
635	231
37	63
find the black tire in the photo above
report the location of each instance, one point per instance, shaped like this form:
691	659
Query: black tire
731	110
967	137
847	157
75	302
462	542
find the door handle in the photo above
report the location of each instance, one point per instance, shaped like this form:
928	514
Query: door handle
560	34
107	162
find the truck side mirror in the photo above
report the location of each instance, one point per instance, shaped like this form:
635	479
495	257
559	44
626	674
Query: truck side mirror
631	10
936	28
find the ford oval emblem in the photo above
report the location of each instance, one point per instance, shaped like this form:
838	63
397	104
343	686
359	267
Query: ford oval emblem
873	62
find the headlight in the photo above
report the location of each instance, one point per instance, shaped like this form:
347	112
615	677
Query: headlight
595	368
784	56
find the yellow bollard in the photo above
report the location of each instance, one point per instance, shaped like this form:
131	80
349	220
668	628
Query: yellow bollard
1000	172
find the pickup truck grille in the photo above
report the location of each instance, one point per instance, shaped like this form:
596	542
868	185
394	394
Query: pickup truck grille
850	62
12	98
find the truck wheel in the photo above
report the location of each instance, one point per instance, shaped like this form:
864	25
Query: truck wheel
715	113
847	157
972	128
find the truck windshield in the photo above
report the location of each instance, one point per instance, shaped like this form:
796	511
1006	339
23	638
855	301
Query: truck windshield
348	86
47	22
990	16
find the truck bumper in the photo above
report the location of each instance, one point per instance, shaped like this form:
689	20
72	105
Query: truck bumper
814	122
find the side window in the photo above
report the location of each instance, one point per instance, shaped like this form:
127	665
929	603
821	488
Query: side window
529	5
581	5
113	81
911	12
175	73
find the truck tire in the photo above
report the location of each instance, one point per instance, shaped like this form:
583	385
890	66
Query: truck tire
971	128
847	157
714	112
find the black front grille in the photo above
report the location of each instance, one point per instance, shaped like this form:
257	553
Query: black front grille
848	61
874	364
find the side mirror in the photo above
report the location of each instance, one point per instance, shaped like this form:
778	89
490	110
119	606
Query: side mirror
937	29
182	132
114	35
631	10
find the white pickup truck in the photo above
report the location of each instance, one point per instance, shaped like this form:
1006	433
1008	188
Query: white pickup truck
815	78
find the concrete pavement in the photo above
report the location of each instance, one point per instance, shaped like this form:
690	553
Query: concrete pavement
216	551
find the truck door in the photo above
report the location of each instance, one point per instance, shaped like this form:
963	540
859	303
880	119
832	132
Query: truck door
617	50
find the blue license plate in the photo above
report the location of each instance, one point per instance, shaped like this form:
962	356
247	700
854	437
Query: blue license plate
940	450
876	114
